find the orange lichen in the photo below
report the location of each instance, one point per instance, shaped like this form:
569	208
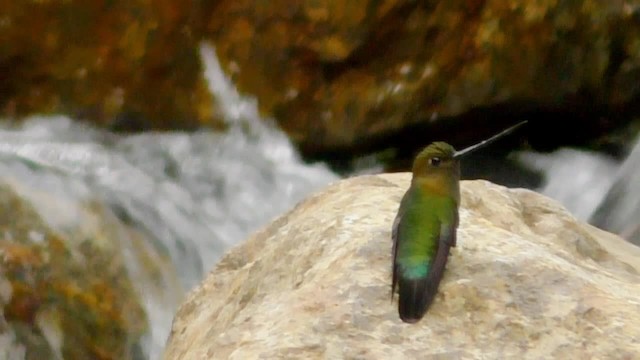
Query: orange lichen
16	255
71	56
98	308
481	53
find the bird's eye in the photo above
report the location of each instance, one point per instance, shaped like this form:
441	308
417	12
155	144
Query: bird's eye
435	161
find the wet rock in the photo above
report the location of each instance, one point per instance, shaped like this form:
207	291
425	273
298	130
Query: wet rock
65	291
338	78
341	76
125	64
527	280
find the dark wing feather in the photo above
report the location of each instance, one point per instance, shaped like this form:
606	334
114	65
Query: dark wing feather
394	251
447	239
394	236
451	238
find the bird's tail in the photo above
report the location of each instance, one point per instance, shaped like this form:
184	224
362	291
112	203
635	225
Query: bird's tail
413	299
417	294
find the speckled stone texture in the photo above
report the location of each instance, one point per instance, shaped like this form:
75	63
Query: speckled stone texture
526	281
337	75
137	61
65	289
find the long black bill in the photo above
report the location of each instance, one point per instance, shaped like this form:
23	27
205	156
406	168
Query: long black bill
488	141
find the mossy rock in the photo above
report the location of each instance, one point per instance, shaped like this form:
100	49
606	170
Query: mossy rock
67	293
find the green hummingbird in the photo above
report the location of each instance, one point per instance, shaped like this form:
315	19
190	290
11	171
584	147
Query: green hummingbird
425	227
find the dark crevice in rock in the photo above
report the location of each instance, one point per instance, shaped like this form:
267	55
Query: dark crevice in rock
579	121
617	57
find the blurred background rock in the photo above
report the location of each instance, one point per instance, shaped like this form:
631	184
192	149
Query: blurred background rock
130	162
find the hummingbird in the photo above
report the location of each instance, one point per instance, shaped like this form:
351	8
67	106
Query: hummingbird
424	229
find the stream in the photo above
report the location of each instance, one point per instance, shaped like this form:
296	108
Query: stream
195	195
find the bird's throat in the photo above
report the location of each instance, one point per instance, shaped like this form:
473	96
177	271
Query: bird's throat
434	184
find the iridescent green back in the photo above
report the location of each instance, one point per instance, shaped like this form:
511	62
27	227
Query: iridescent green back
419	230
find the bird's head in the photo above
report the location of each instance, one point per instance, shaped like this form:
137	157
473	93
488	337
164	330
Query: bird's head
437	158
436	168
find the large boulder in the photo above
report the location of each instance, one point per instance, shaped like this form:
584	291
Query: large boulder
526	281
335	76
339	76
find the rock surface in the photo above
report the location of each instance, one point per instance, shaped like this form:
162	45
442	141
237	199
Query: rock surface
334	76
99	60
339	76
526	281
65	290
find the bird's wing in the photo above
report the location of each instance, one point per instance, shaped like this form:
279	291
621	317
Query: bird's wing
394	236
448	231
446	239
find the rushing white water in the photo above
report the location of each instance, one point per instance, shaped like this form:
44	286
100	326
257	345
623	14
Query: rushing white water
594	187
619	212
193	194
578	179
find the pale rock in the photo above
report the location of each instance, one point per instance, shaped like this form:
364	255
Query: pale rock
526	281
